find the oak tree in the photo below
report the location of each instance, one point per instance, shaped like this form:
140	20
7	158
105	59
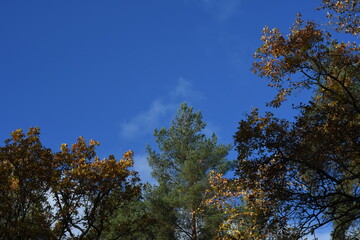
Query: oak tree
297	176
71	194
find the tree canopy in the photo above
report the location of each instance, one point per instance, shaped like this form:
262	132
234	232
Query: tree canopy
71	194
182	171
292	177
297	176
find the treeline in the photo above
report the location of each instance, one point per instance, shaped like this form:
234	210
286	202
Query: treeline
291	177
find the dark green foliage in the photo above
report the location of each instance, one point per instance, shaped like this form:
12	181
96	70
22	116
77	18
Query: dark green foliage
132	222
181	168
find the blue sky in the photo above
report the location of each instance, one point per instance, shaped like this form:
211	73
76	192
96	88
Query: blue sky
115	70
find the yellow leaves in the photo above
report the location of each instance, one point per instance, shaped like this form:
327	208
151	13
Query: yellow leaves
344	15
17	134
340	5
245	207
94	143
280	97
14	183
64	148
128	154
35	131
77	182
227	195
304	50
127	160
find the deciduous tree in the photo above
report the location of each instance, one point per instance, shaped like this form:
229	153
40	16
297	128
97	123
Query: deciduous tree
304	174
71	194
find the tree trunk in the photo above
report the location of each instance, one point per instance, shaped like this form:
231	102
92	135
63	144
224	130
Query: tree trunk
193	226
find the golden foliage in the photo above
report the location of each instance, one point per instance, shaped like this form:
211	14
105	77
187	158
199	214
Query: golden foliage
54	195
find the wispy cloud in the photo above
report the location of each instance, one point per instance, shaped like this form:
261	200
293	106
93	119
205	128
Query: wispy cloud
142	167
158	114
145	122
222	10
182	89
185	90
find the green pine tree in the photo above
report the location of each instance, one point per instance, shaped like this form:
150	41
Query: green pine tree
181	169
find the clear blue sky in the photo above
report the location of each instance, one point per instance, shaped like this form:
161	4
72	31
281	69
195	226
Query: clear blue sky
114	70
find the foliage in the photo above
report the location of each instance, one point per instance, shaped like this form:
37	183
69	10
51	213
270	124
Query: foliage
132	221
70	194
182	169
300	175
243	217
327	66
344	15
307	171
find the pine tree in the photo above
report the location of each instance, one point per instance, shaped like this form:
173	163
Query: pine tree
182	171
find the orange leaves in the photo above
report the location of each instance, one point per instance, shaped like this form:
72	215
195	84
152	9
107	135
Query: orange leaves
222	191
83	170
64	148
294	176
33	131
308	53
94	143
280	97
344	15
82	190
277	55
25	167
129	154
244	208
17	134
280	57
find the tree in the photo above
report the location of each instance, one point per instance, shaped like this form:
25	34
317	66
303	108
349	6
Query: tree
25	166
71	194
133	222
307	171
244	217
182	170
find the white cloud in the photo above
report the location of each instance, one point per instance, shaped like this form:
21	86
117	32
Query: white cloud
184	90
146	121
157	115
161	108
